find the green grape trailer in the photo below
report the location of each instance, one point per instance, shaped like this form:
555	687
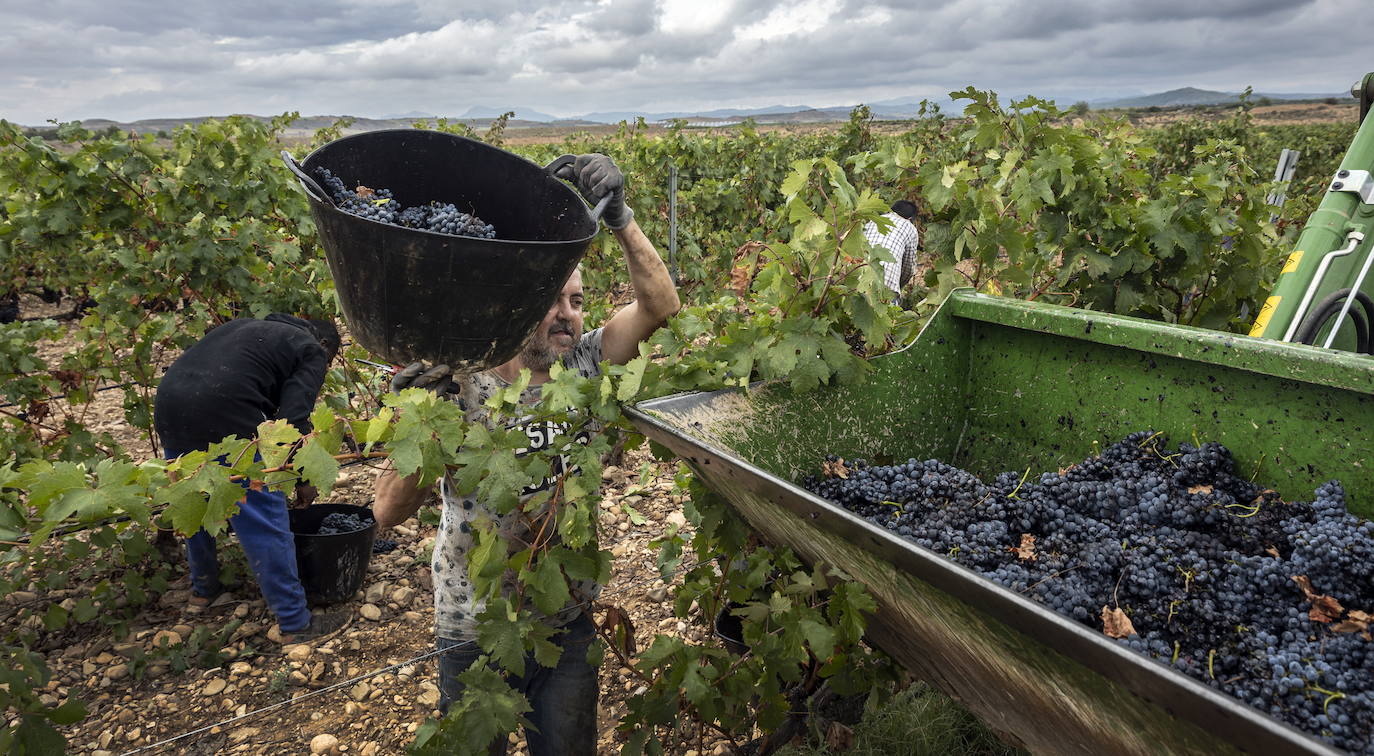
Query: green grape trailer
994	384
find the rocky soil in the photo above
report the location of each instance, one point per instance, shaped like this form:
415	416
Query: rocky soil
327	698
137	699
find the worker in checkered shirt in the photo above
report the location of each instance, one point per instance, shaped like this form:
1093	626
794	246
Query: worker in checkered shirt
901	239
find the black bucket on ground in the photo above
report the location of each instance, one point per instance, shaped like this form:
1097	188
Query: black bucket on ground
730	630
409	294
332	567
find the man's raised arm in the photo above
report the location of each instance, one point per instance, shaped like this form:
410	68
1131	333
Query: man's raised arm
655	295
655	298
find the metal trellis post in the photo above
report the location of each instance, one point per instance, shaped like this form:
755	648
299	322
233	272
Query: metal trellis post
1288	163
672	222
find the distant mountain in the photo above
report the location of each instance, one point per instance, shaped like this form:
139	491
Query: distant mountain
896	109
485	112
900	108
1195	96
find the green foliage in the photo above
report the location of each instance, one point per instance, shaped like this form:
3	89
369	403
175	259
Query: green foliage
919	721
161	241
488	710
166	239
33	735
200	650
1091	215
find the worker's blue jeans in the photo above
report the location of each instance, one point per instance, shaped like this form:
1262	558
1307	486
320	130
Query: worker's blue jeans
264	530
562	698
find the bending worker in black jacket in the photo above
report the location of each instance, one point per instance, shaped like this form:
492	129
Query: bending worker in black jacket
240	374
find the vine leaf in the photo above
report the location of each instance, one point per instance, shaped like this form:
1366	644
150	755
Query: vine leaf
547	585
71	712
1115	623
622	631
1026	551
205	499
317	465
1324	608
502	638
275	438
741	277
835	468
1355	622
633	376
819	637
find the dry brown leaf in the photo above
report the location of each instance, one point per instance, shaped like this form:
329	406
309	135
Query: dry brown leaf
365	192
1026	551
1204	490
746	266
618	620
37	411
740	279
1324	608
839	737
1116	624
835	469
1355	621
70	379
1273	552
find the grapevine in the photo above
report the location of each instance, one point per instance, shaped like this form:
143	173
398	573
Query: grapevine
153	243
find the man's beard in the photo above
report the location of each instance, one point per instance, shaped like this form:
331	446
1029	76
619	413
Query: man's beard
540	353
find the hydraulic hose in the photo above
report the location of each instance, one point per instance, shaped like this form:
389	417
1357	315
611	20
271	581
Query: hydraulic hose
1312	324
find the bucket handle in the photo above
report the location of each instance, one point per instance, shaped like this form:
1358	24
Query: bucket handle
563	161
311	187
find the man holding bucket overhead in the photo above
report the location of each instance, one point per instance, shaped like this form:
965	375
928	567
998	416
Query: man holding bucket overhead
563	698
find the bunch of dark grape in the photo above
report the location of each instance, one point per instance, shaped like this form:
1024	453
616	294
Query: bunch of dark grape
383	546
336	523
381	206
1266	600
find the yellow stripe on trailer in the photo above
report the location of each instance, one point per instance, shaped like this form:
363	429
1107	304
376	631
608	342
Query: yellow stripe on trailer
1267	310
1292	263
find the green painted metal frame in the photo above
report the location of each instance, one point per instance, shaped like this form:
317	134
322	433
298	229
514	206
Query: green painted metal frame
1339	213
995	384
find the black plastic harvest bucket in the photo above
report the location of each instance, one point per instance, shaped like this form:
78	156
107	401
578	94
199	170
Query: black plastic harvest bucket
332	567
409	294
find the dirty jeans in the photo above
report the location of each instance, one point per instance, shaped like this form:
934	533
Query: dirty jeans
563	698
264	530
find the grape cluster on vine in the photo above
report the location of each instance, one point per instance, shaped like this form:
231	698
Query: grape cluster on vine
380	205
1264	599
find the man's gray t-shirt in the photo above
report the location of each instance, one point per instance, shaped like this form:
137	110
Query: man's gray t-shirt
455	610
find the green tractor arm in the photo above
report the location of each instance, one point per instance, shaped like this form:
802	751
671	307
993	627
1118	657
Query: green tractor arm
1325	292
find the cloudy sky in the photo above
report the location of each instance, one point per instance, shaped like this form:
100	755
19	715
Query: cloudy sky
131	59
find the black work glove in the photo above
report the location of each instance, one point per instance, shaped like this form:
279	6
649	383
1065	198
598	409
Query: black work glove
416	375
597	176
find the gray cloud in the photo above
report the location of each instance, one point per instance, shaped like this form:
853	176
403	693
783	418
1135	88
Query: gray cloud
130	59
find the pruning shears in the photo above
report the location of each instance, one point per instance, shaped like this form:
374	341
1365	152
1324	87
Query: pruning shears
382	366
